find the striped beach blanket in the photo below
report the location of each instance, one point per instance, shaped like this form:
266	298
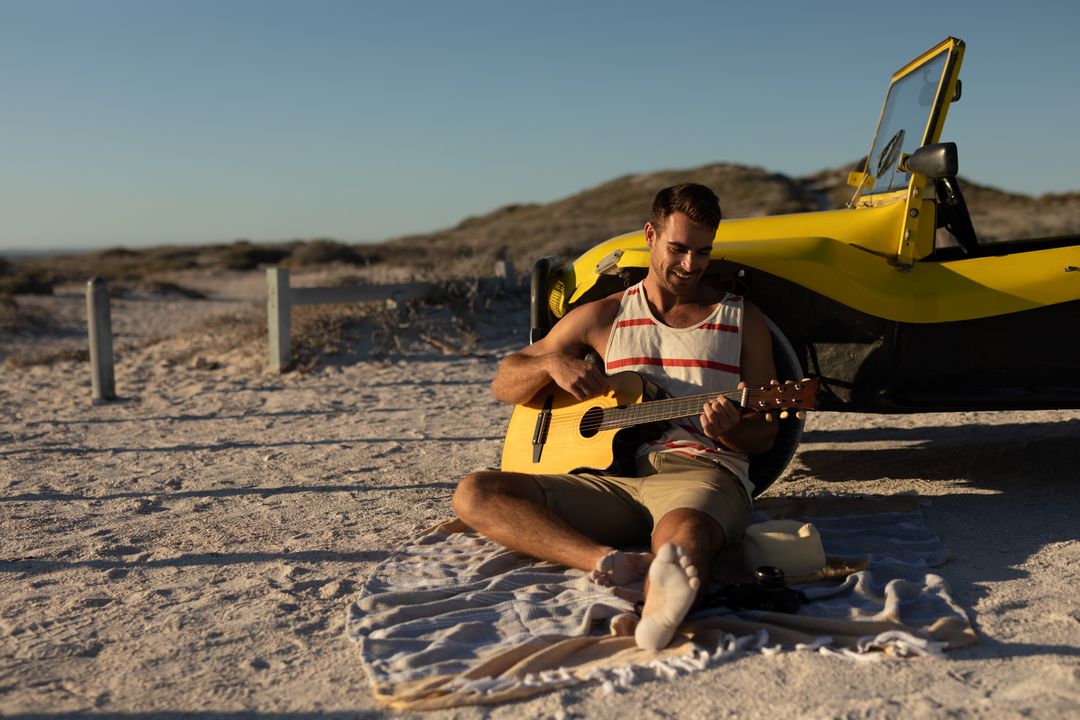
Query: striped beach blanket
454	619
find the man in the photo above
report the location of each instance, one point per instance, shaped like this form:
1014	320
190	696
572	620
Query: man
691	491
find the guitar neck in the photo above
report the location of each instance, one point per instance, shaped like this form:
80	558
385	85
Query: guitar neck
625	416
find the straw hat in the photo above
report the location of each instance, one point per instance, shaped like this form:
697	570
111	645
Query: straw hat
791	545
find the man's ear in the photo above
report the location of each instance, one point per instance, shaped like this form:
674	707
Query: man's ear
650	235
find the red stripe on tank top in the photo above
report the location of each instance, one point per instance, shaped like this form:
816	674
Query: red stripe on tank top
689	446
635	321
674	362
721	327
632	291
685	446
687	453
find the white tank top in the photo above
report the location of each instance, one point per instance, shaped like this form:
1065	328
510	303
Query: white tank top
682	361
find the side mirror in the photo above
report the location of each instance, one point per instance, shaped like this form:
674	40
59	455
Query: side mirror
932	161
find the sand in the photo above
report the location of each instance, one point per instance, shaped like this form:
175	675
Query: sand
192	548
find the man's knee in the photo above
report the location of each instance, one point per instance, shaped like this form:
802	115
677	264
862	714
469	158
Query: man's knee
468	494
688	526
477	491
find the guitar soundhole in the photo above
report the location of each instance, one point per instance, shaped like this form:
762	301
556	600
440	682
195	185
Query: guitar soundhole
590	422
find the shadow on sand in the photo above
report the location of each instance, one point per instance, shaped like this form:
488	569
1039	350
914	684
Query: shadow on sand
263	492
31	566
1022	497
209	715
45	449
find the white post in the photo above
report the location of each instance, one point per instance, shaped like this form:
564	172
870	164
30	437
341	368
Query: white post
504	270
278	308
99	328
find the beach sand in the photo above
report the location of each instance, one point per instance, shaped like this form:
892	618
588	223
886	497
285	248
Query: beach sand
192	548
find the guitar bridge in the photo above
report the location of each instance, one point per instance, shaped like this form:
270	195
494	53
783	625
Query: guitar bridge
543	422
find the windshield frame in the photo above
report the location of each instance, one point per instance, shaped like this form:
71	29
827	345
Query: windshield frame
952	48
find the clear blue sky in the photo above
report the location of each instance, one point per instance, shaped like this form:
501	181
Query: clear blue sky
136	122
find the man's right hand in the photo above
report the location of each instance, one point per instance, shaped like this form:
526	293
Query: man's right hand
558	357
577	376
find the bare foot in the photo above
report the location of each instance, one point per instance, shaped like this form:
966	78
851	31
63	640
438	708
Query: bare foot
623	625
620	568
673	583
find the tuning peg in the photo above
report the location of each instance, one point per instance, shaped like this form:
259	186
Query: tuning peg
784	415
800	415
768	417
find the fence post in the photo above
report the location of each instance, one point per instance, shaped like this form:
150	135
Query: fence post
504	271
278	307
99	329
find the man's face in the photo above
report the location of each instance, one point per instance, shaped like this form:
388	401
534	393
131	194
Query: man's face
679	253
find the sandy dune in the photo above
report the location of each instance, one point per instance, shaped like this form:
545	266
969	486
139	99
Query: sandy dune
192	548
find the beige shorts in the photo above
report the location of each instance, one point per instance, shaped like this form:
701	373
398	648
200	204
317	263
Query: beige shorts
622	511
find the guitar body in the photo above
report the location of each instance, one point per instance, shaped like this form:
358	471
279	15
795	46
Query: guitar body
555	433
564	441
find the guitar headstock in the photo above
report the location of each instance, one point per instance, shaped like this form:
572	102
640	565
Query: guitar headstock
798	395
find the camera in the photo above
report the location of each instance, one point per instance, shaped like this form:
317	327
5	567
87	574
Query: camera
766	592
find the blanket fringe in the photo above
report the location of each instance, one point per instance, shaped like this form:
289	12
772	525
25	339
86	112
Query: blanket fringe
669	666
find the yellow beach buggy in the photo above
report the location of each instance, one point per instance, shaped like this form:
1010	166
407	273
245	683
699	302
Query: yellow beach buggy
892	303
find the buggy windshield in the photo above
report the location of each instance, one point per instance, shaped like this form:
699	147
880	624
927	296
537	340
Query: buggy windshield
904	124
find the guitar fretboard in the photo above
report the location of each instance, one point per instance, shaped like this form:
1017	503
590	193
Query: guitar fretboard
624	416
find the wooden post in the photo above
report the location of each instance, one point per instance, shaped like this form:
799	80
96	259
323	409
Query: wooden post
99	328
504	271
278	319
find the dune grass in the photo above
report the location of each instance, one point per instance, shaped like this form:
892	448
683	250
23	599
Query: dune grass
17	318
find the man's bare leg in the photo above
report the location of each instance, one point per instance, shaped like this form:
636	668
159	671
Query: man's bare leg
685	543
510	509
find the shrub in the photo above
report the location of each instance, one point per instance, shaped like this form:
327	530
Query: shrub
15	318
243	255
28	281
322	252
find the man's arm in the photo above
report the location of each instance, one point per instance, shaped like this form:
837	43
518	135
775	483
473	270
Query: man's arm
723	420
559	357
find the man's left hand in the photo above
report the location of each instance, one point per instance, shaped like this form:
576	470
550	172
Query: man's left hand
720	416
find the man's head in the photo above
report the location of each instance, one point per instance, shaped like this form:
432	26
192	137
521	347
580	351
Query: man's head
680	236
698	203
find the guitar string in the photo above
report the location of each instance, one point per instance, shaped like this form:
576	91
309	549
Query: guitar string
658	410
665	409
642	412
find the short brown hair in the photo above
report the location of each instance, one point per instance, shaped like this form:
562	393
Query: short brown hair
697	202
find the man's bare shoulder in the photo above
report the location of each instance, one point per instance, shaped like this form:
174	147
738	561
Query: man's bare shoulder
579	330
752	313
591	323
599	312
608	307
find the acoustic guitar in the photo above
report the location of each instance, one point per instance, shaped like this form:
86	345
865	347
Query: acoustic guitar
556	433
